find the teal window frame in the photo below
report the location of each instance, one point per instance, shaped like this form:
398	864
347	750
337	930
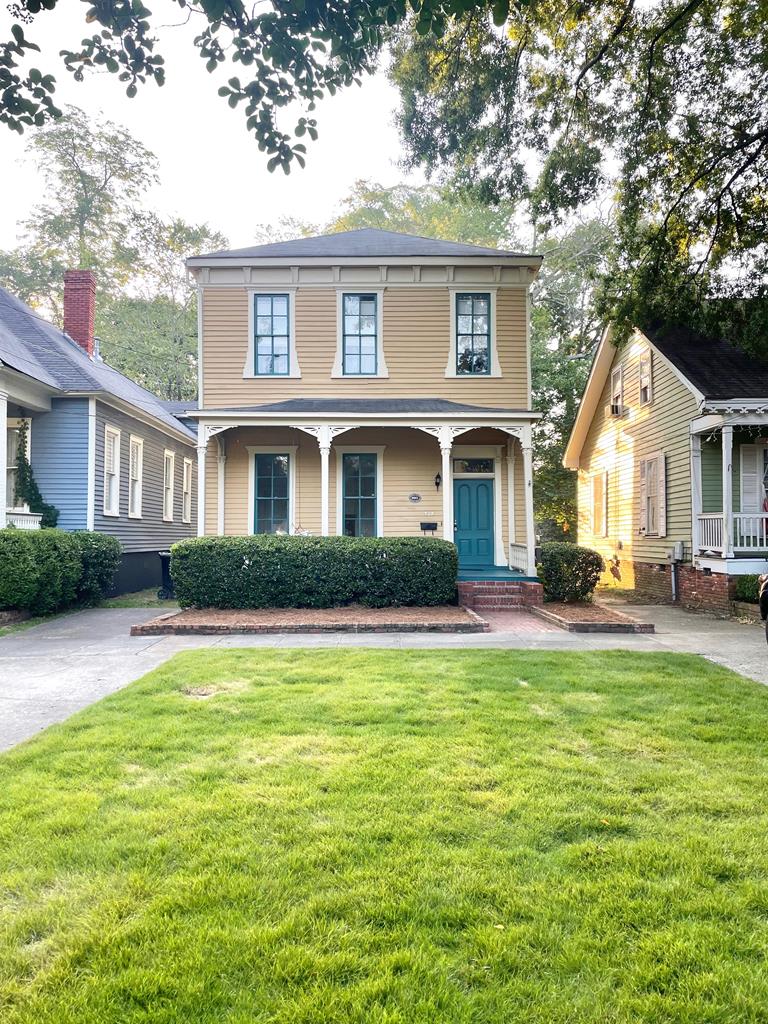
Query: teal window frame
268	497
264	341
473	334
354	338
352	497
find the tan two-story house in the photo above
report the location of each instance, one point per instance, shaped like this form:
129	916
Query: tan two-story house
368	383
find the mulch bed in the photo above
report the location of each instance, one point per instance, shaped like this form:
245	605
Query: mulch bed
352	619
590	618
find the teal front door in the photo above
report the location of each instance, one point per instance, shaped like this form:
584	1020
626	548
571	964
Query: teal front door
473	521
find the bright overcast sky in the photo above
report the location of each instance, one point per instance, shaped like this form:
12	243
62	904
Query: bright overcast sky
210	167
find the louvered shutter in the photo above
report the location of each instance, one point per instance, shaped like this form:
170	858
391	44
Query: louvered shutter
605	504
643	498
751	478
134	461
661	491
110	454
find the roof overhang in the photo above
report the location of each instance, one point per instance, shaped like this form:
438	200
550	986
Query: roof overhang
139	414
522	415
484	260
25	390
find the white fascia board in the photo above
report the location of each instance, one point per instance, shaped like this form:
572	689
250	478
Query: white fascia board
598	375
369	419
131	410
364	261
674	370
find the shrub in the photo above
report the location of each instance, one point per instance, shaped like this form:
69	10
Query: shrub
569	572
43	571
747	589
100	560
266	571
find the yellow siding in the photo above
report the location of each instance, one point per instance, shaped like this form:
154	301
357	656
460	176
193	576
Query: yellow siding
617	445
416	324
411	459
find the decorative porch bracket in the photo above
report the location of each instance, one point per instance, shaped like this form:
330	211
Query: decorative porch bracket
445	435
205	431
324	434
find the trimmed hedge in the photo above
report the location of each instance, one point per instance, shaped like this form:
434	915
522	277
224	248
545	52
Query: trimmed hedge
266	571
43	571
747	588
569	572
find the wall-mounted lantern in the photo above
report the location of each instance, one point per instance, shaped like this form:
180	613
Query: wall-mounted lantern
438	481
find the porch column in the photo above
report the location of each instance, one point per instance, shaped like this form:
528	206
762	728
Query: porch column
3	458
530	528
696	499
445	438
511	527
727	436
202	448
221	481
324	443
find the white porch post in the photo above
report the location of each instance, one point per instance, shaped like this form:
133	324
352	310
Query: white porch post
445	438
220	485
324	443
727	437
511	527
530	529
3	458
202	448
696	499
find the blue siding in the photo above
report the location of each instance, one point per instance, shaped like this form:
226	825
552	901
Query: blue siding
60	459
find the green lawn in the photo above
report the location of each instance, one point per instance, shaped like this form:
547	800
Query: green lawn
380	837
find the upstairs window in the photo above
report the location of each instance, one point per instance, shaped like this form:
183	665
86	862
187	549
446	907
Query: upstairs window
169	468
617	392
473	333
359	335
271	335
111	471
646	378
135	473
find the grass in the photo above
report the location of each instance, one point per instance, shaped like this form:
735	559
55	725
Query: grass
393	838
138	599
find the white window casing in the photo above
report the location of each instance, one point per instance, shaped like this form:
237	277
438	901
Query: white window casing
285	449
135	476
450	368
653	495
186	491
646	377
600	505
249	369
338	362
617	391
366	449
111	471
169	471
13	426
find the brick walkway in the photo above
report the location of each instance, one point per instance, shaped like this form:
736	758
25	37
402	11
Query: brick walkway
509	620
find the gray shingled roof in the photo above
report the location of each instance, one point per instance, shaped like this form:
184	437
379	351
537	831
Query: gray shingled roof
718	370
36	348
362	242
323	406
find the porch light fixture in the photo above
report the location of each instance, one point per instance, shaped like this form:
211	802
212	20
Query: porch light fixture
438	481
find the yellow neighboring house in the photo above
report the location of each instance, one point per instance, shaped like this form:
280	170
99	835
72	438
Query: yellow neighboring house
671	448
369	383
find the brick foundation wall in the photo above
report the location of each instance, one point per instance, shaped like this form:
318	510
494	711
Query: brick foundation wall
701	592
653	582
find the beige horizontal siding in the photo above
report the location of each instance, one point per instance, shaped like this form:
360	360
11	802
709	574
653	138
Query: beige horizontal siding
416	325
617	445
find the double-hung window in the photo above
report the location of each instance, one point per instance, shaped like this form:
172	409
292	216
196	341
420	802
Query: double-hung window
646	378
135	473
617	392
473	333
186	492
359	334
111	471
13	441
169	469
271	485
359	473
272	335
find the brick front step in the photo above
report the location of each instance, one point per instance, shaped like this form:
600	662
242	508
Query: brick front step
499	594
510	601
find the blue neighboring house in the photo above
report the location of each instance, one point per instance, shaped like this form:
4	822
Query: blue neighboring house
108	454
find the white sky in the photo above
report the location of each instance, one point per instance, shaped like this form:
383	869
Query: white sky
210	167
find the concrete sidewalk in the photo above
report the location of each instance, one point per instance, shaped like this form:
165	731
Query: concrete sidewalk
49	671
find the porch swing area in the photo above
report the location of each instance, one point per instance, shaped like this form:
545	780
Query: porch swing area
729	476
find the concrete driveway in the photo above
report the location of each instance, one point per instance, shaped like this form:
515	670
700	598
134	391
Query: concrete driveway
49	671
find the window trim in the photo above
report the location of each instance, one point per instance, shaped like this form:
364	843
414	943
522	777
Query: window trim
172	489
117	434
271	449
602	475
135	439
495	367
659	459
617	371
14	423
382	373
186	494
249	369
358	449
645	357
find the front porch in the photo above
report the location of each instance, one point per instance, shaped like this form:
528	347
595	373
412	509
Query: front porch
466	479
729	476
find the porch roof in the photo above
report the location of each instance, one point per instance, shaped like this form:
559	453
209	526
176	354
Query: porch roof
365	407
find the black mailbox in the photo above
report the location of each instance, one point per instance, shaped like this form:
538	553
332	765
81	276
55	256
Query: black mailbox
428	527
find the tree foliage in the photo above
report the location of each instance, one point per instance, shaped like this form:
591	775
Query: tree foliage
662	105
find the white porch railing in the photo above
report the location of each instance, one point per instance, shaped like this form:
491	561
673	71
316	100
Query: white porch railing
750	531
518	557
24	520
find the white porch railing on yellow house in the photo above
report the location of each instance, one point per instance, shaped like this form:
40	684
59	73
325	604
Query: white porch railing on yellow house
23	520
518	557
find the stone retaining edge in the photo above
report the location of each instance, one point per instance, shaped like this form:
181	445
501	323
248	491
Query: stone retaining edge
592	627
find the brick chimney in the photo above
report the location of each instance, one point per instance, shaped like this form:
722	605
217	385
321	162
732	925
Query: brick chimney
80	307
